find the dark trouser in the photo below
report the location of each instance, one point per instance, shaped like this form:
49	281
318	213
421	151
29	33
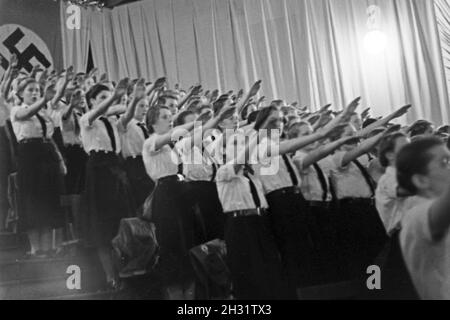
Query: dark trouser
209	216
289	218
140	182
361	236
254	260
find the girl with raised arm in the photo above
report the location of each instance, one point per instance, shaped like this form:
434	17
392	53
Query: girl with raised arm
107	192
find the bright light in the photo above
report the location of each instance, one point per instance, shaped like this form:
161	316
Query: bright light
375	42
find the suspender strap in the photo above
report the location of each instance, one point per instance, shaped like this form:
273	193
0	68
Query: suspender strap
253	190
144	130
290	169
110	131
180	165
43	125
366	176
322	180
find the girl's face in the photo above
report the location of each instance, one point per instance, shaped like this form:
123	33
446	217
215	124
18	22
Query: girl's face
164	123
232	123
356	121
437	178
172	104
124	100
31	93
141	110
349	131
251	108
83	104
275	122
102	96
306	130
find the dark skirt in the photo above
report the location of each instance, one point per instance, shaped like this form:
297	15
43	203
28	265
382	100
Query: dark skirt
58	138
6	168
107	199
75	158
41	184
361	236
208	213
396	283
140	182
289	218
254	260
323	225
173	219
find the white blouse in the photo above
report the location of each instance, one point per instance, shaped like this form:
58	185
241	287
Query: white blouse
159	163
68	130
132	138
95	136
311	187
197	165
31	128
234	190
348	181
428	261
273	172
390	207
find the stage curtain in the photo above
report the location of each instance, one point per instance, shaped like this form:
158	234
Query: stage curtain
310	51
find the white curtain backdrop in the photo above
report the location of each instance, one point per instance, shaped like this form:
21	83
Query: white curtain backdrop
443	19
309	51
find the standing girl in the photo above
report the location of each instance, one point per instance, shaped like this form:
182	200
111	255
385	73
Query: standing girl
107	193
40	177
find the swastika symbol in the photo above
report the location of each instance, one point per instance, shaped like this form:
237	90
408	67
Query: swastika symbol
24	57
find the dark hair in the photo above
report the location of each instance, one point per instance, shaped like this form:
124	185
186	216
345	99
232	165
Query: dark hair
252	117
166	96
277	103
419	127
203	107
368	122
414	159
181	117
244	113
153	116
218	105
443	129
94	92
386	145
263	115
194	105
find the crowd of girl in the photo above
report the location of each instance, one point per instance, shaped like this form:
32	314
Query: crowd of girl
301	197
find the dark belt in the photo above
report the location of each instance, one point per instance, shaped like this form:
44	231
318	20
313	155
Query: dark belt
320	204
102	152
358	201
247	213
78	146
133	158
288	190
35	140
176	177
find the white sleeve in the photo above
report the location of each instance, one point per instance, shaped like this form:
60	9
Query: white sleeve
418	219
